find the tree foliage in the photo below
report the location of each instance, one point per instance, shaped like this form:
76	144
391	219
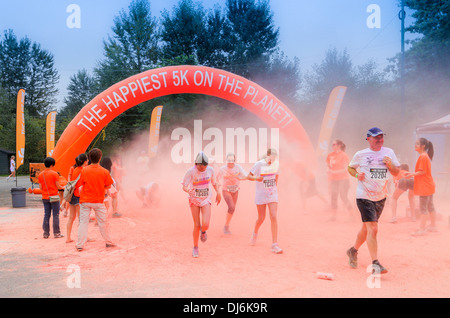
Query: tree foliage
430	54
24	64
133	48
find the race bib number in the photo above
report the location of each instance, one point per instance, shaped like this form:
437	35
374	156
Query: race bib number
201	193
269	183
378	173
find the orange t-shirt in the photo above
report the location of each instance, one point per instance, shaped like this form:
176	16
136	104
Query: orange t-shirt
74	173
338	161
424	184
94	178
62	182
47	180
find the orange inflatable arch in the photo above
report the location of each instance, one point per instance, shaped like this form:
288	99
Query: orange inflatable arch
176	80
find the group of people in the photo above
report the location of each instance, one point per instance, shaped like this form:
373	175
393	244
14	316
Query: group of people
199	181
370	166
93	186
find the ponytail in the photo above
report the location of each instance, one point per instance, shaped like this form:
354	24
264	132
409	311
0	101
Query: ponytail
428	146
430	150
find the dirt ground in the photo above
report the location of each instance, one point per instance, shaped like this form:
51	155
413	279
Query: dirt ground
153	257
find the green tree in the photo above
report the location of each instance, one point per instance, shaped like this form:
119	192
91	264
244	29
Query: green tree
283	78
24	64
430	54
14	66
216	43
336	69
82	89
253	34
133	48
182	32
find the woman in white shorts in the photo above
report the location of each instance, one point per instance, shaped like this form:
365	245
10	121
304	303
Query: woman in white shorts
265	172
12	167
197	182
229	177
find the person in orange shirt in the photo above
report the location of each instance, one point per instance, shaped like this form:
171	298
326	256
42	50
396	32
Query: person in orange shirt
48	183
94	182
337	162
424	185
74	204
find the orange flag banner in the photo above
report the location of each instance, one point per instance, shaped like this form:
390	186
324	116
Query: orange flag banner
329	119
155	123
20	129
50	133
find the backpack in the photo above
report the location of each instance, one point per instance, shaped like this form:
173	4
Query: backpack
70	188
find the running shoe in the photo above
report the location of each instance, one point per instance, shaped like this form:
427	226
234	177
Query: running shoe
195	252
59	235
276	249
203	237
419	233
253	239
393	220
352	254
377	268
226	230
431	229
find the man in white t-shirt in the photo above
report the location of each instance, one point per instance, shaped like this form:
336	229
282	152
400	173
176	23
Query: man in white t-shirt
374	164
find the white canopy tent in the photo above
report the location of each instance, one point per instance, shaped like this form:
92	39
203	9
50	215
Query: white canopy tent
438	132
439	126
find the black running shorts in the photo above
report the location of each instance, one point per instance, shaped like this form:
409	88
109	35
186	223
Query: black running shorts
370	210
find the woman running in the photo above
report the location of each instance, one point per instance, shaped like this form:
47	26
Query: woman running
197	183
229	177
265	173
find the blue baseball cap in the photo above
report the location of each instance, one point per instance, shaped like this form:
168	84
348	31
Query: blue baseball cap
375	131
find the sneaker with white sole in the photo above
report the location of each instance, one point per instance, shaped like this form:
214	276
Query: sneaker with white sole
377	268
226	230
253	239
195	252
276	249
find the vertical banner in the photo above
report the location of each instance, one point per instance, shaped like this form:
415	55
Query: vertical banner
329	119
154	131
50	133
20	129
